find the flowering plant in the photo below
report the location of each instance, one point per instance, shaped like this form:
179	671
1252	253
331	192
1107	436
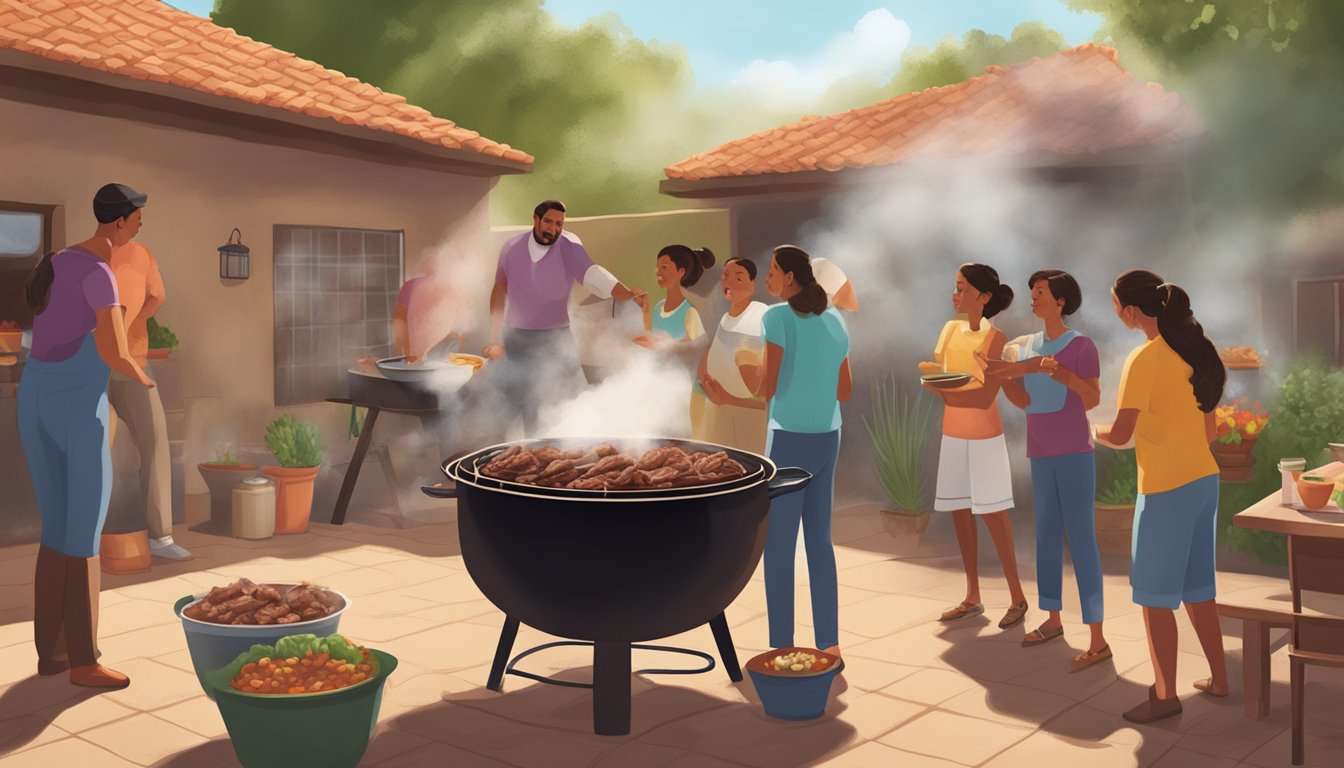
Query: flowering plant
1236	423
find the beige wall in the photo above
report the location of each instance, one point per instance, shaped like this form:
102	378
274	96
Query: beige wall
200	187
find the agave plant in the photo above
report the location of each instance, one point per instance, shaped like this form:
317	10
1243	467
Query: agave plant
899	429
295	443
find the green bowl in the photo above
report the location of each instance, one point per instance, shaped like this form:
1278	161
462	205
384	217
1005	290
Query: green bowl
287	730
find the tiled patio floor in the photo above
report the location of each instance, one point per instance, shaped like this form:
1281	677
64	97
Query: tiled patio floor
914	693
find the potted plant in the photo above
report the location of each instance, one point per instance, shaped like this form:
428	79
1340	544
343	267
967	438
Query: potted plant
1117	491
1238	428
899	429
297	445
221	475
161	340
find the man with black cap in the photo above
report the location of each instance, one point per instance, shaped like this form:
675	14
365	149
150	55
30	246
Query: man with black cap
79	337
140	287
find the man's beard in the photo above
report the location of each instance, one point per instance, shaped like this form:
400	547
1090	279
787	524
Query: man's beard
545	238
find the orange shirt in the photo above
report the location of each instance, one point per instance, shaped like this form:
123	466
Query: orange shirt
956	345
138	284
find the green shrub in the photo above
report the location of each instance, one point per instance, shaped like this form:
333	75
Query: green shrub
1117	476
295	443
160	337
900	429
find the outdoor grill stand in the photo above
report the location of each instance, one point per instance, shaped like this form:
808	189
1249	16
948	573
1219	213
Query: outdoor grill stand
611	670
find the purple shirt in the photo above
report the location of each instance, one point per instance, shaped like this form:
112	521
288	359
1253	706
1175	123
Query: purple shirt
538	293
1066	430
407	290
84	284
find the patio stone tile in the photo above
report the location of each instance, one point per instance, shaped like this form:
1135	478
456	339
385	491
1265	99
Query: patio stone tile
388	742
17	571
141	643
365	629
743	734
537	705
66	752
31	693
699	760
856	524
887	614
874	754
16	633
1321	749
198	714
142	739
943	734
874	675
1008	704
1132	685
18	550
917	646
180	659
413	692
467	644
435	753
1182	758
22	733
891	576
502	738
453	613
452	588
1080	686
85	714
414	570
135	614
754	636
874	714
362	582
637	754
154	685
1222	731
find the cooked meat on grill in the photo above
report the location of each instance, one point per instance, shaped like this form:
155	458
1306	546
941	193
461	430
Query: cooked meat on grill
606	468
244	602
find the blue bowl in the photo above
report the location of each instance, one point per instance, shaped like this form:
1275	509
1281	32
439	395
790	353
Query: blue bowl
793	696
215	645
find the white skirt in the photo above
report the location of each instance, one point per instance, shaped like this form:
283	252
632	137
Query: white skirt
974	475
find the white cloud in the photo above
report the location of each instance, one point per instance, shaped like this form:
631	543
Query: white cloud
872	48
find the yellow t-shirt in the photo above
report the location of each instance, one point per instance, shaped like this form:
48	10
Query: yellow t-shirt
1169	438
956	346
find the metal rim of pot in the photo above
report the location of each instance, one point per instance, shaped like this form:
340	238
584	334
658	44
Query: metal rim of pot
760	470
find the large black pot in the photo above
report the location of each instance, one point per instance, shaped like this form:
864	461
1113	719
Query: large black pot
614	567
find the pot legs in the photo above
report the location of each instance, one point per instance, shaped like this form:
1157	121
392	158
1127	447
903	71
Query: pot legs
502	651
611	688
719	626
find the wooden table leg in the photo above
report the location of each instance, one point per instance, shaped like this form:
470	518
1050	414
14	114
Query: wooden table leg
352	472
1255	669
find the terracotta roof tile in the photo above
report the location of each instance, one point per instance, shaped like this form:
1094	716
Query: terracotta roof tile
148	40
1077	102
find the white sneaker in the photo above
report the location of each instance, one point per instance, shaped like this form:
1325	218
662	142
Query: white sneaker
169	551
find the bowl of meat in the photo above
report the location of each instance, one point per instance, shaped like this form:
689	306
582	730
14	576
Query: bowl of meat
229	620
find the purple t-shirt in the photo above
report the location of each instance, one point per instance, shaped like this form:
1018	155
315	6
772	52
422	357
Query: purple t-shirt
538	294
84	284
1065	431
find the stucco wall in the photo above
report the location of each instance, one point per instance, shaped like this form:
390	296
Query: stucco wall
200	187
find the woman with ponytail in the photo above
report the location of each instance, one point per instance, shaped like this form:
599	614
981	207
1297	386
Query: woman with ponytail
1168	391
673	322
974	479
804	375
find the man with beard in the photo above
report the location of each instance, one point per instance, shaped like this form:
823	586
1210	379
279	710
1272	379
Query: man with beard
529	311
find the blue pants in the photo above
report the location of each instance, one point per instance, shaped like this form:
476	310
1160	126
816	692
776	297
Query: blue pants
1172	548
812	507
63	425
1065	487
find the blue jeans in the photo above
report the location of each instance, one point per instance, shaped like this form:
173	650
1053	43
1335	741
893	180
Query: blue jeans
1172	549
63	425
1065	487
816	453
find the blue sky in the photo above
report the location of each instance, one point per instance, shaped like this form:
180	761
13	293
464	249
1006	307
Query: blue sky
729	40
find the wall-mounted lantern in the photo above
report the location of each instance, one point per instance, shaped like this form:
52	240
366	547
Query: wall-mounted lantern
235	260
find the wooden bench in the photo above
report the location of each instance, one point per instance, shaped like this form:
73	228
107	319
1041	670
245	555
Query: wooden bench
1260	610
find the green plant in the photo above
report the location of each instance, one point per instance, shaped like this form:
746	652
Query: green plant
899	430
1118	477
295	443
224	455
160	336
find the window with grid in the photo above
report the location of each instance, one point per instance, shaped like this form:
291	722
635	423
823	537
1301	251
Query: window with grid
25	234
335	292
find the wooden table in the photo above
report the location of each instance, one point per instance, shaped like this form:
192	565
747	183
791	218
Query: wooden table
1269	514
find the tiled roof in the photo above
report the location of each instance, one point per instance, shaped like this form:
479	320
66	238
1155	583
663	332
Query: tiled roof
147	40
1076	103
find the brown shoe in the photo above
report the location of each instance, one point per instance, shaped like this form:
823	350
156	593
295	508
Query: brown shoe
1154	709
98	676
961	610
1014	615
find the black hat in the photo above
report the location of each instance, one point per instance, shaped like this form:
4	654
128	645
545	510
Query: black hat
115	201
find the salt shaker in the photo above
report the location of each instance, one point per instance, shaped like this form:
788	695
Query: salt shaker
1291	468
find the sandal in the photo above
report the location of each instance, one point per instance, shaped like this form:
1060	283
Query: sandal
1042	634
1088	658
962	610
1014	615
1206	685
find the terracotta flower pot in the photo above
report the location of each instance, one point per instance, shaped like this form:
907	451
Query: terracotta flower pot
900	522
1235	469
158	353
1115	526
221	479
124	552
293	496
1243	448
